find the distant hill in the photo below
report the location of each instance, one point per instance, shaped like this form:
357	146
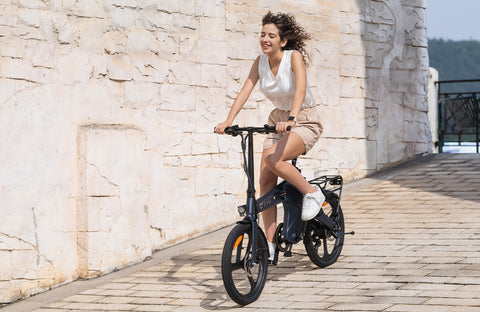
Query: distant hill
456	60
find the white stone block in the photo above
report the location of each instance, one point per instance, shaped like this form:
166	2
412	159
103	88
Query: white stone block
29	17
399	80
119	68
24	264
5	265
179	98
352	87
381	13
74	66
212	28
168	46
211	52
43	55
125	17
185	73
115	42
382	33
181	147
159	20
248	50
208	181
215	8
210	108
150	68
33	4
66	29
12	47
212	75
224	143
375	53
352	66
352	45
89	8
90	35
352	24
141	40
204	144
99	63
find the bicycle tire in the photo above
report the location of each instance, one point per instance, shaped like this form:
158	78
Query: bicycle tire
324	246
243	282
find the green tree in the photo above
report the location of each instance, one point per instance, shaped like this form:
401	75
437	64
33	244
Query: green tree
456	60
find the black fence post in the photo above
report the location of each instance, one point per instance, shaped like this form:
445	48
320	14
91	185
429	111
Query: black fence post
477	117
439	112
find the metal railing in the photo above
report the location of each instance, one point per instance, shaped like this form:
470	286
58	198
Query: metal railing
458	114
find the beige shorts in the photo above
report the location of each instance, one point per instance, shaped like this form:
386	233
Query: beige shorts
308	126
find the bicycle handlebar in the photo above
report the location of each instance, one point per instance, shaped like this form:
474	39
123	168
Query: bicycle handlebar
236	130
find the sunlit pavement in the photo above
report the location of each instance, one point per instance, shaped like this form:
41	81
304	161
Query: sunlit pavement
416	248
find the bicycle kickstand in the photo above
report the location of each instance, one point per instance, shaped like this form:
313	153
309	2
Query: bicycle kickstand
288	252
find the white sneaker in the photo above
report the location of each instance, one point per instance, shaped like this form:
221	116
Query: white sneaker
312	203
271	251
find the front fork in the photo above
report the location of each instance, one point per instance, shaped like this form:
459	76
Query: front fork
253	222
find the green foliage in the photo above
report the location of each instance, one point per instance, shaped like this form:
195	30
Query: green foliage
456	60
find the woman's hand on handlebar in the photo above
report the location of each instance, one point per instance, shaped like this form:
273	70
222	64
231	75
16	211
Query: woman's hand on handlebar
284	126
220	128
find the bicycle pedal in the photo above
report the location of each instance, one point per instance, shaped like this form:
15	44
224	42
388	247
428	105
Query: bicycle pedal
287	253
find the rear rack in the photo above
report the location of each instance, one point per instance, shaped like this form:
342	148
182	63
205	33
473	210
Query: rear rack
332	183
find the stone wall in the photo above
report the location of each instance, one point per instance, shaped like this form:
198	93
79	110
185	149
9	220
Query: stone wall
107	110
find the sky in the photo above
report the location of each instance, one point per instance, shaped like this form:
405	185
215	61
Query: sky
453	19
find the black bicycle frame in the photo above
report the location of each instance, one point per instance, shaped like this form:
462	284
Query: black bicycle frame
252	205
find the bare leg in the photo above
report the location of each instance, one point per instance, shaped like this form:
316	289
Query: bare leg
268	180
276	159
275	164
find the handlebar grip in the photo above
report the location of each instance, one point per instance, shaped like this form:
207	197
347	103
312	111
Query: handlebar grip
233	130
272	128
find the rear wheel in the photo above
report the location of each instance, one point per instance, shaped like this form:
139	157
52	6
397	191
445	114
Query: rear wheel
244	276
323	245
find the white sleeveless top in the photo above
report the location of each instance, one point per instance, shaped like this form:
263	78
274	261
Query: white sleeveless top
280	89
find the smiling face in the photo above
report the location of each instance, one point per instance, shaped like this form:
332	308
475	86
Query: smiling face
270	41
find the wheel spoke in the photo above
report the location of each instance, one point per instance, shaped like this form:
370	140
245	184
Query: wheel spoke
252	282
318	242
325	247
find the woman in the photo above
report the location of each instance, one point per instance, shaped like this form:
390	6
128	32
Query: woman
282	76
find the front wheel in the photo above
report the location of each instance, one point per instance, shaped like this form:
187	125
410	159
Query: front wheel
244	276
323	245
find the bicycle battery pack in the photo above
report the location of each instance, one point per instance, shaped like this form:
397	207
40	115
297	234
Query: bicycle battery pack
292	210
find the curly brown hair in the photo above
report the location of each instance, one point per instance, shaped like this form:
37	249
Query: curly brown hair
289	29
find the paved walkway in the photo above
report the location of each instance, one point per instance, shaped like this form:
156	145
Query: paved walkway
416	248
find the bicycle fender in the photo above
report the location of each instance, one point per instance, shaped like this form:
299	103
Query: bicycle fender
244	221
259	230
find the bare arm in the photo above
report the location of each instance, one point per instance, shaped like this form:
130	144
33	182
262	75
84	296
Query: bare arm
241	98
300	83
300	73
